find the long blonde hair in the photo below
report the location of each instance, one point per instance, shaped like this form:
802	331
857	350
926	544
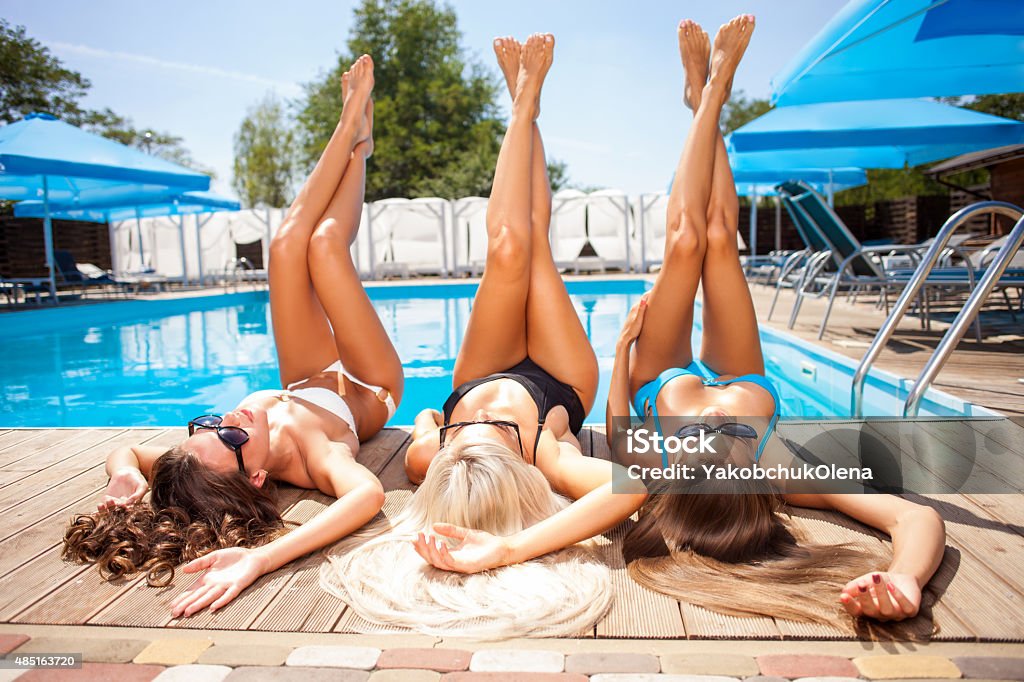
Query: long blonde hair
488	487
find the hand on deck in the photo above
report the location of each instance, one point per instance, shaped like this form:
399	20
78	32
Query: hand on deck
477	550
228	572
883	596
126	487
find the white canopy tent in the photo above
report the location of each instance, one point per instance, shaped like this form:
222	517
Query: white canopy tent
414	236
469	235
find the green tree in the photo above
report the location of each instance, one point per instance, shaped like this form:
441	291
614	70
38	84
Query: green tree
1009	105
437	129
32	79
264	157
740	110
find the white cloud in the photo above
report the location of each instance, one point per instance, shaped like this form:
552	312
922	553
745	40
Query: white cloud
284	88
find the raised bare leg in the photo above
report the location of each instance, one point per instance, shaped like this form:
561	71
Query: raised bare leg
729	343
556	339
360	340
302	334
664	341
496	335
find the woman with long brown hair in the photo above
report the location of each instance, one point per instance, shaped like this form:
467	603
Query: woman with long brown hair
709	543
342	380
525	375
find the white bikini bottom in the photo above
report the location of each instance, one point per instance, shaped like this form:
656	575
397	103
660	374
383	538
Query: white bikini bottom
329	400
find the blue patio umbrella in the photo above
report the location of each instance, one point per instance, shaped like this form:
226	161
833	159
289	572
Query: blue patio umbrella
878	134
882	49
42	158
143	206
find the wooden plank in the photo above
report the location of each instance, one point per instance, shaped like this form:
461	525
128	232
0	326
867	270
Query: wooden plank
1008	433
599	447
32	475
375	453
17	437
67	487
143	606
704	624
35	579
48	440
636	612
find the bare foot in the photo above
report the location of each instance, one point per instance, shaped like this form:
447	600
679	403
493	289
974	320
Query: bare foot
507	50
730	44
534	62
356	86
365	145
694	50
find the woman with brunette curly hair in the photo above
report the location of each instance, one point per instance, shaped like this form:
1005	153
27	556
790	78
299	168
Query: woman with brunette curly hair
213	492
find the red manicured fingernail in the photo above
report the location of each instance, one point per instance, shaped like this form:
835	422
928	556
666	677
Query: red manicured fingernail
862	588
877	578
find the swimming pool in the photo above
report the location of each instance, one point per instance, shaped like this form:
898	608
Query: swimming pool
159	363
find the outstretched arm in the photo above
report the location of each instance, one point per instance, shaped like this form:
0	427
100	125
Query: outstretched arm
918	543
229	571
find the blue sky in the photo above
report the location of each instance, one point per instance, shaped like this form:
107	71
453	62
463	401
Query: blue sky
612	103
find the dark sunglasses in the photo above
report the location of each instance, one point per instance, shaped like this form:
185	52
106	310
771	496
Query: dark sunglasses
735	429
232	436
508	426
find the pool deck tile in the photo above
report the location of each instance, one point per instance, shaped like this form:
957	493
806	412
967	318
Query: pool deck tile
514	660
590	664
173	651
194	673
10	642
296	674
96	672
93	649
906	667
439	660
730	665
236	655
794	666
405	675
991	667
355	657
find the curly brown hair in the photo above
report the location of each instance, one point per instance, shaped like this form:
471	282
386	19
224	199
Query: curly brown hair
193	511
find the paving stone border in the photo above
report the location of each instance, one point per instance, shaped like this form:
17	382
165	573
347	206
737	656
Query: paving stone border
188	657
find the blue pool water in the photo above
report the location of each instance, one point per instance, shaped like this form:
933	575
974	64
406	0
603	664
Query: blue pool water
159	363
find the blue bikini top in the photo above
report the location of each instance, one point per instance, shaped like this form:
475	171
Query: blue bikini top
646	400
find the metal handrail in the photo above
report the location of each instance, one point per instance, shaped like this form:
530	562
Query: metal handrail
914	287
959	326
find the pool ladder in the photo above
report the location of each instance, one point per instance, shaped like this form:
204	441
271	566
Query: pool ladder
963	320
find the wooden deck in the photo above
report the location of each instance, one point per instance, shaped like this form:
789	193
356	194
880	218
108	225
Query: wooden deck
46	475
985	374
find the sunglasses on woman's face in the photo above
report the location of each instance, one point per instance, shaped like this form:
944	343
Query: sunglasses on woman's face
232	436
506	426
735	429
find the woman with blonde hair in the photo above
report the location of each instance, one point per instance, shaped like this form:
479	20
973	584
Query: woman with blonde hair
506	443
212	501
726	545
